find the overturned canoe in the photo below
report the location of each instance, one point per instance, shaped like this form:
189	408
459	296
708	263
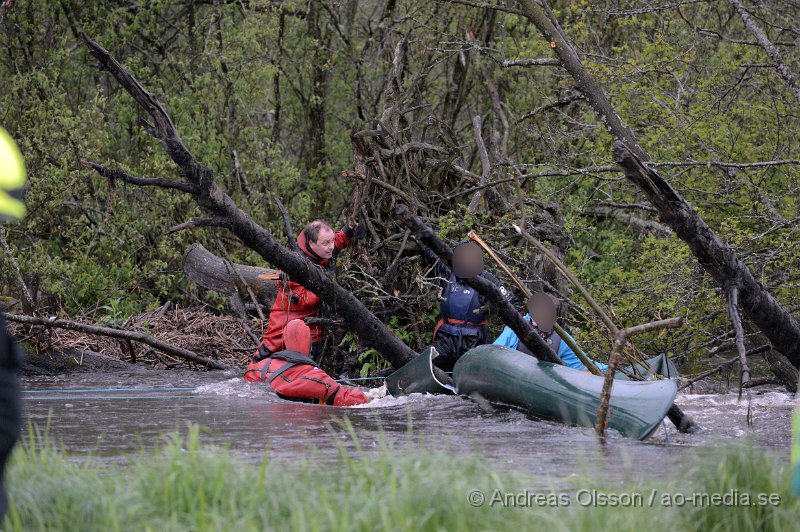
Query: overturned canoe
549	391
417	377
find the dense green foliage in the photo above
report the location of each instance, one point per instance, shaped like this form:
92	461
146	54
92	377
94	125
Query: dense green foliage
187	486
250	84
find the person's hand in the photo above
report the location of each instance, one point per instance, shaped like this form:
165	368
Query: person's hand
359	231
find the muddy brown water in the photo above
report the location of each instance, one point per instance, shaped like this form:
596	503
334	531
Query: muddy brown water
86	417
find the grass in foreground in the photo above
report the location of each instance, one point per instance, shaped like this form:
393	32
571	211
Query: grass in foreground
185	485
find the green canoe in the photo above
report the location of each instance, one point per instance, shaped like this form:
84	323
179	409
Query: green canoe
549	391
417	377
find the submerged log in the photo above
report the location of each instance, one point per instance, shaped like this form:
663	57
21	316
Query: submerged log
215	273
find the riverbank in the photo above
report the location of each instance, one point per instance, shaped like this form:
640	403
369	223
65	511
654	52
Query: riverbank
186	485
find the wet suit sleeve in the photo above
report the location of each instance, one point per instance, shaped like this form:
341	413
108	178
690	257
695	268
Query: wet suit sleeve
309	382
440	270
342	237
305	298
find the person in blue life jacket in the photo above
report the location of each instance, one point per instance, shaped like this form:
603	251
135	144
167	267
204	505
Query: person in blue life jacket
463	323
542	312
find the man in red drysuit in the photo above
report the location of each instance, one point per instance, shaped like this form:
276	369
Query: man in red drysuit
294	376
320	244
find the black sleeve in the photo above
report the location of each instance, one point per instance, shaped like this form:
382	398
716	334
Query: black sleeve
427	253
440	269
507	294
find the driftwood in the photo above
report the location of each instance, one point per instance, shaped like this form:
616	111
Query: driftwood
506	310
119	333
199	182
215	273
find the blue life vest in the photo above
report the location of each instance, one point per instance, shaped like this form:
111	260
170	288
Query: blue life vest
460	304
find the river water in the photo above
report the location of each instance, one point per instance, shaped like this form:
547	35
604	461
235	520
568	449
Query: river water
87	414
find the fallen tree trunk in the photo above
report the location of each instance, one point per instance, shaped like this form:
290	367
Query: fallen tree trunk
783	370
215	273
717	258
199	182
119	333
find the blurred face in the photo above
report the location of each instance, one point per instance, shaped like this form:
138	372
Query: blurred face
324	245
467	260
542	309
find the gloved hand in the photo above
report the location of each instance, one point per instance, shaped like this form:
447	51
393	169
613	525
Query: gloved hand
360	231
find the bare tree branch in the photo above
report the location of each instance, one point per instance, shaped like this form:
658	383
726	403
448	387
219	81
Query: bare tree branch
732	294
486	166
773	52
114	174
28	304
291	237
200	222
538	61
620	339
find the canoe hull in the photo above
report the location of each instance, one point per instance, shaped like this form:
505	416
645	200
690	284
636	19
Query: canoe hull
558	393
417	377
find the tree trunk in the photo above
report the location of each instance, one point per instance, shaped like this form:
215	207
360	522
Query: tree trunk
200	183
717	258
215	273
714	256
783	369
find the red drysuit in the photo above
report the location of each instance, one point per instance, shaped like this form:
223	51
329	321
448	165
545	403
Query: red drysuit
293	301
293	375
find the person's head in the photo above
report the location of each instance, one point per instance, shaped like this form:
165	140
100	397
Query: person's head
543	309
297	337
467	260
320	238
12	178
